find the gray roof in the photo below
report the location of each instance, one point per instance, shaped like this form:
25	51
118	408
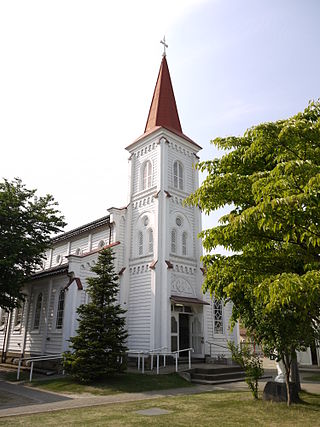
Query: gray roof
59	269
79	230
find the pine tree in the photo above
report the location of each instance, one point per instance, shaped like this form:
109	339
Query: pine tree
99	348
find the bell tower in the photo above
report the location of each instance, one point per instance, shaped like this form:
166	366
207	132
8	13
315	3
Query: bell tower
163	278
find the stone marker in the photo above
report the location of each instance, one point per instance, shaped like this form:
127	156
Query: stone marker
277	392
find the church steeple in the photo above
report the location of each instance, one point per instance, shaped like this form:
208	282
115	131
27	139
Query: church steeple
163	110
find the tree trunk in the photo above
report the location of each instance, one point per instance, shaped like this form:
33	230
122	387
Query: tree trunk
287	364
295	376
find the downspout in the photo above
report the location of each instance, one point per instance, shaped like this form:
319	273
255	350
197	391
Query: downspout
110	233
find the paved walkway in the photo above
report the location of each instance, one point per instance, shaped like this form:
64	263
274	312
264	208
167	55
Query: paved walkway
29	400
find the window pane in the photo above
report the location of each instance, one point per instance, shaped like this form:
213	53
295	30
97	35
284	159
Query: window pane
180	183
173	241
150	241
147	175
218	317
18	318
140	242
4	318
178	175
174	343
184	243
174	325
37	313
60	309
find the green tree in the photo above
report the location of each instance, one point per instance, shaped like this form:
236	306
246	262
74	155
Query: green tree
251	362
270	180
26	224
99	347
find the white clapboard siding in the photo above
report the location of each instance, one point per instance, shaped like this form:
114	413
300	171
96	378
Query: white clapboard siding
59	250
140	157
139	312
101	235
185	156
16	334
34	338
80	244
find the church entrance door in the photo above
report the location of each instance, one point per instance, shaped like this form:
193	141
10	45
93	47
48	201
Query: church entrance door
184	333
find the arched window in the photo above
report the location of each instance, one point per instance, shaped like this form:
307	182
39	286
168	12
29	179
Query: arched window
150	241
60	310
184	243
146	175
178	175
140	243
3	319
37	312
173	241
18	318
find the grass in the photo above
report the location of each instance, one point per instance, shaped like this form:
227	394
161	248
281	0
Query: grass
12	376
122	383
216	408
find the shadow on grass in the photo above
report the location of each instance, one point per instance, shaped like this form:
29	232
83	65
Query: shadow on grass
310	400
120	383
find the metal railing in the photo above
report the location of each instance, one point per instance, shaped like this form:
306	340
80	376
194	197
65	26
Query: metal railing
31	360
141	354
155	352
215	344
189	350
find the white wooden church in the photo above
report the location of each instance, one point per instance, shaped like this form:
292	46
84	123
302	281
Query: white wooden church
157	256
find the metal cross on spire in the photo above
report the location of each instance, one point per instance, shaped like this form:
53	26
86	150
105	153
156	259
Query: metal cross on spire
164	45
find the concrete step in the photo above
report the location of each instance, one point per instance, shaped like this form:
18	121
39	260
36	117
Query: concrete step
208	382
218	377
217	370
216	374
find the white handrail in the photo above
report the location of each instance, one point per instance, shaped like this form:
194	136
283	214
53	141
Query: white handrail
217	345
143	353
35	359
189	350
153	352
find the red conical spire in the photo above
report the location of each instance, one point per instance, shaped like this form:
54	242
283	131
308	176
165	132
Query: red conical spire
163	110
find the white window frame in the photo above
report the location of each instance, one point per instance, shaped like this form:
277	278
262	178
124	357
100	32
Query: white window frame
35	304
3	314
178	181
150	241
146	175
140	243
184	243
19	311
214	301
173	240
60	290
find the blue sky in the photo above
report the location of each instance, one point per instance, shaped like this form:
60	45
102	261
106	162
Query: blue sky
77	77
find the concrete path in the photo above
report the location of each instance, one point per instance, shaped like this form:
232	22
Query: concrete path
29	400
48	403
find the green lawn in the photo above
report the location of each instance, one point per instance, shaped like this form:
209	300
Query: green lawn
122	383
208	409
